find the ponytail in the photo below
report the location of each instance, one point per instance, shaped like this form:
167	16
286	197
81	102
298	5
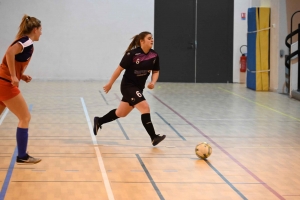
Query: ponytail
27	25
134	43
136	40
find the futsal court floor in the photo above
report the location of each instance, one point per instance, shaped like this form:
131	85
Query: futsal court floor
255	137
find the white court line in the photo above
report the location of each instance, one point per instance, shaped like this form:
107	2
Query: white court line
4	115
98	153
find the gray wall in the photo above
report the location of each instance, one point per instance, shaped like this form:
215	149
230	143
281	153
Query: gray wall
82	40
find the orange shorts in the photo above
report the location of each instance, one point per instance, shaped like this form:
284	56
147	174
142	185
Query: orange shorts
7	91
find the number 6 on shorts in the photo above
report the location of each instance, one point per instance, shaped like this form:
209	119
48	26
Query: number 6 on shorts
138	94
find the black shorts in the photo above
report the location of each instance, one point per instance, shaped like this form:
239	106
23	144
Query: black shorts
132	95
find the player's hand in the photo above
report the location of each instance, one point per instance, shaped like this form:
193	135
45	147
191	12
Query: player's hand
26	78
106	88
15	81
151	85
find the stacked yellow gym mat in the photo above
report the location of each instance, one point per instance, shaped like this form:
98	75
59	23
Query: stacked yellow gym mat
258	53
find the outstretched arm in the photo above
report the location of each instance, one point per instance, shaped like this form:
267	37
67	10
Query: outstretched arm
113	78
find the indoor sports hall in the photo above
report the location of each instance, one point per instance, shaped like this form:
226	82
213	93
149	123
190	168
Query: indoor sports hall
228	77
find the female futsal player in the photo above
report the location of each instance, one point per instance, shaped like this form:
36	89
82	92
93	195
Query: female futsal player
12	68
139	61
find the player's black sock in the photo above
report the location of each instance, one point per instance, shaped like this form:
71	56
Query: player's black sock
110	116
146	120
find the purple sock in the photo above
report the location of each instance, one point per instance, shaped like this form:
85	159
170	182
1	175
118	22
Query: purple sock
22	139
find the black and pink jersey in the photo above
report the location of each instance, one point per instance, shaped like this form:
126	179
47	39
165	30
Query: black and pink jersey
138	66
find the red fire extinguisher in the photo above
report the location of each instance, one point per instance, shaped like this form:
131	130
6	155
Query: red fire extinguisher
243	60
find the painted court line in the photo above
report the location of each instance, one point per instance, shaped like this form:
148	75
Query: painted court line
117	97
12	162
8	174
259	104
4	115
171	127
124	132
103	97
120	125
223	150
150	177
226	181
98	153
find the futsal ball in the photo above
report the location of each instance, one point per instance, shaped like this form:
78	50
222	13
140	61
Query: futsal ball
203	150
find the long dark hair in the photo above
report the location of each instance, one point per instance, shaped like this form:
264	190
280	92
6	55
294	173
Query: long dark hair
27	25
136	40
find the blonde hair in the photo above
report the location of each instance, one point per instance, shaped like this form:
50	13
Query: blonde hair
136	40
27	25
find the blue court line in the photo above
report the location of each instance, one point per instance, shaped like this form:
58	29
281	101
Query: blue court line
228	183
30	107
150	177
103	97
223	150
8	175
126	136
171	127
121	127
10	169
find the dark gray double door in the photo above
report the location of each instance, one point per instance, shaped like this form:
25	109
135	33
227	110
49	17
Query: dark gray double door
194	39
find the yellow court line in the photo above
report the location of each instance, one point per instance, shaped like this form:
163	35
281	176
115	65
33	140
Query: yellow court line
295	118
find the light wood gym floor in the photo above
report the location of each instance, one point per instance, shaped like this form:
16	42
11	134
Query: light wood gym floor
255	138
